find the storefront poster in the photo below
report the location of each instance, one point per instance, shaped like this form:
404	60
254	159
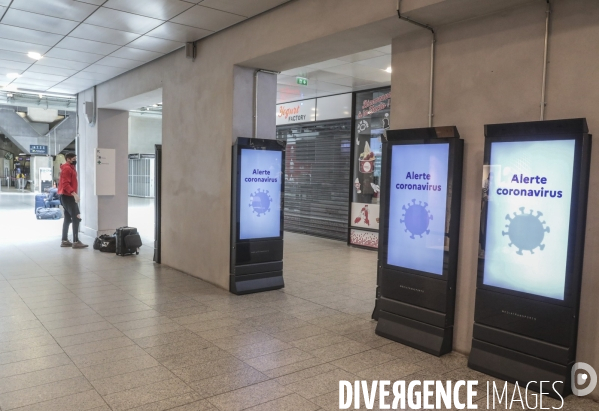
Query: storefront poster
364	238
365	215
260	194
528	216
417	206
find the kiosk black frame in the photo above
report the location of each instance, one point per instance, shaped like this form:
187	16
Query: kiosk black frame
414	307
256	264
521	337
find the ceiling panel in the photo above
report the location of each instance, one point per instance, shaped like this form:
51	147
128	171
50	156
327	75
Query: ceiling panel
381	63
77	81
119	20
136	54
5	70
94	2
64	9
98	68
36	68
29	75
328	63
17	66
360	71
158	9
58	62
72	43
12	56
40	22
103	34
32	83
118	62
86	42
64	89
363	55
179	32
207	18
29	36
86	75
155	44
22	47
74	55
243	7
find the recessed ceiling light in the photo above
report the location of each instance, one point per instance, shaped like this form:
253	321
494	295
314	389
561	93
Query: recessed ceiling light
34	55
388	69
13	75
154	105
41	95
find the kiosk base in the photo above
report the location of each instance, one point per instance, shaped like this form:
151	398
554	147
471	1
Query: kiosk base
255	283
514	366
422	336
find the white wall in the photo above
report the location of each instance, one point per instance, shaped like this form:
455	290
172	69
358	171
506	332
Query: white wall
145	131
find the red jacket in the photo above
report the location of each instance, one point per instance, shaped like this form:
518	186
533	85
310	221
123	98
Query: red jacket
67	185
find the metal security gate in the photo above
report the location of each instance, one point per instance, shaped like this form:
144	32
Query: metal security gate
317	173
141	175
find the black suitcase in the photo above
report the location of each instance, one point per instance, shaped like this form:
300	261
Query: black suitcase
40	202
127	241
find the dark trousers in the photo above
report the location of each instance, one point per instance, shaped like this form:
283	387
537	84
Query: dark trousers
71	211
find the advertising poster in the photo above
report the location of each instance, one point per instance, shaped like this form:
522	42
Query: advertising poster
528	216
417	206
365	215
260	194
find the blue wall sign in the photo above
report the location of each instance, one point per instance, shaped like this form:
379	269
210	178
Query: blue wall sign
37	149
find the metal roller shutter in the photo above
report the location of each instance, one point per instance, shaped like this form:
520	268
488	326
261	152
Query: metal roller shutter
317	173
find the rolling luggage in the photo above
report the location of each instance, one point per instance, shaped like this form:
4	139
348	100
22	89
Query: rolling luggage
48	213
128	241
40	202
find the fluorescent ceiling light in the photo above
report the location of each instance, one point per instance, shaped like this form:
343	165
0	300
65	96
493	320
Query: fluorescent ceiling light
34	55
388	69
13	75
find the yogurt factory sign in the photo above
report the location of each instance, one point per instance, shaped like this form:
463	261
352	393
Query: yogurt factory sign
296	112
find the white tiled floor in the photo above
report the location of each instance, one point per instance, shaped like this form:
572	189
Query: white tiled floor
83	330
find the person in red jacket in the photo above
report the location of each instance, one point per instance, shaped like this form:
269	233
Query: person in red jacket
67	190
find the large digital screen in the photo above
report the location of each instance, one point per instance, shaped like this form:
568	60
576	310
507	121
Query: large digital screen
417	206
260	194
528	217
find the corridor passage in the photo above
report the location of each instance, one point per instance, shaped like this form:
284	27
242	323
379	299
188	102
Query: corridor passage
83	330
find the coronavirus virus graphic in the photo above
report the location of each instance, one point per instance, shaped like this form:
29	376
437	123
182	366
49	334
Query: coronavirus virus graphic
416	218
260	202
526	231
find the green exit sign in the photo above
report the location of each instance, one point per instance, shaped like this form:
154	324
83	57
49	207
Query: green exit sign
302	81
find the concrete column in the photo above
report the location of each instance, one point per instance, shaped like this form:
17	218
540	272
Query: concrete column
102	214
244	102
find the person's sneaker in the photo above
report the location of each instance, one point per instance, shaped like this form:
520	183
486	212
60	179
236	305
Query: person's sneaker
79	244
66	243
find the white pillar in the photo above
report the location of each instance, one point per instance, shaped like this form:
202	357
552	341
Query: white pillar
102	214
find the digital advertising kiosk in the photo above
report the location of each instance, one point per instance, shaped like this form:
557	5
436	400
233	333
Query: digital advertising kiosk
258	173
420	210
534	199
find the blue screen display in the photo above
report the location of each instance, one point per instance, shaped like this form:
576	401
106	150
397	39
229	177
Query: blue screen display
417	207
528	217
260	194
